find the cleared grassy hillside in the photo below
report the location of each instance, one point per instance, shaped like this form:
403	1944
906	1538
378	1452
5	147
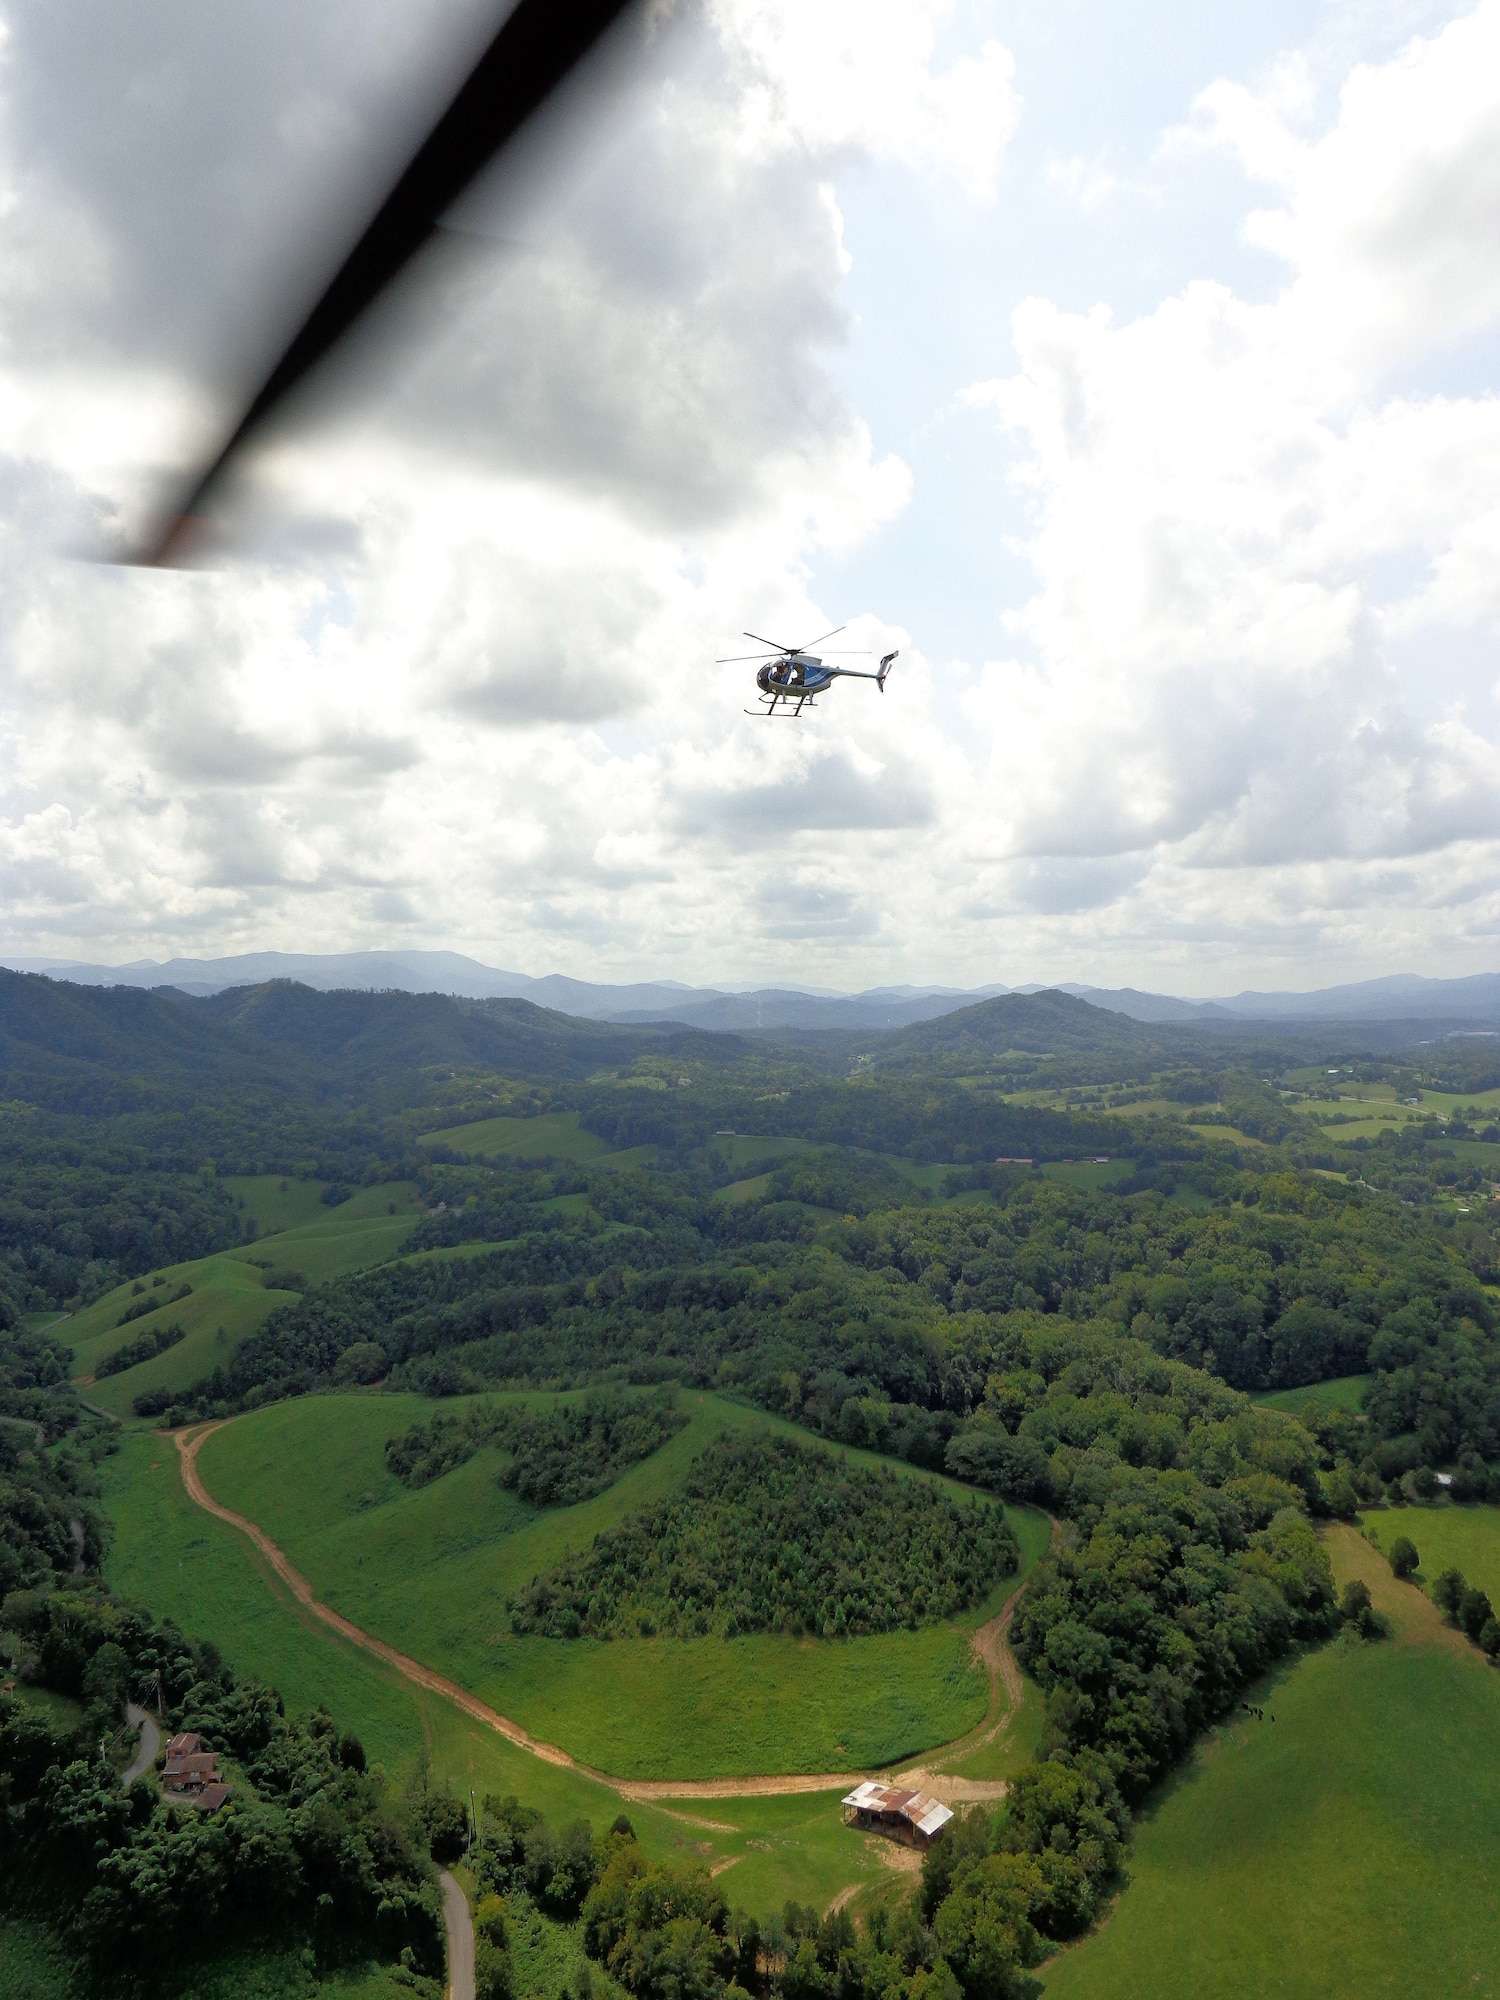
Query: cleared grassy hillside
229	1296
169	1554
1463	1538
430	1571
1346	1848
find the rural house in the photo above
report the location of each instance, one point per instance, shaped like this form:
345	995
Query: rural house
192	1775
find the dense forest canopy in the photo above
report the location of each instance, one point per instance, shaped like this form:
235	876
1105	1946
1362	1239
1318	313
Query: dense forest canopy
765	1535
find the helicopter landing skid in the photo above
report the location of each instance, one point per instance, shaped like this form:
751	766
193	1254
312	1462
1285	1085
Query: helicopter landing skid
782	705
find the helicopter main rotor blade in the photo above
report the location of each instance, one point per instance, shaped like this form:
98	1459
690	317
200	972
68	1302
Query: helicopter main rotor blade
771	643
539	44
739	659
818	641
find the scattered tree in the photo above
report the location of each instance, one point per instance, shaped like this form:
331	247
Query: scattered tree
1474	1611
1448	1593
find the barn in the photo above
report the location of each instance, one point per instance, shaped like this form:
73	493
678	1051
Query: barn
912	1817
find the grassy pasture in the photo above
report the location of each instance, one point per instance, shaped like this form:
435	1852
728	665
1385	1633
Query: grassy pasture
1346	1392
274	1202
1223	1134
228	1302
768	1154
229	1298
1089	1174
1475	1152
1346	1848
557	1135
1446	1537
430	1571
186	1565
1450	1101
39	1322
1148	1107
748	1149
367	1229
61	1710
741	1191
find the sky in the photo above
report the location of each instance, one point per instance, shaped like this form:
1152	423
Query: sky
1131	369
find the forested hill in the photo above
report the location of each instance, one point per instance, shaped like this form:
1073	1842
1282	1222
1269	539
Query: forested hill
96	1049
1082	1040
1051	1023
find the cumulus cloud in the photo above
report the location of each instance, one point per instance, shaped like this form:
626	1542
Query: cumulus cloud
453	676
453	671
1251	554
838	76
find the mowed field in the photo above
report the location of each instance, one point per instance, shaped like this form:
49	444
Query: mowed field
1345	1392
557	1135
1346	1848
1462	1538
184	1564
229	1296
431	1571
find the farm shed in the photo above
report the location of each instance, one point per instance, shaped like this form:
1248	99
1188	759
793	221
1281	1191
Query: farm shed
186	1745
912	1817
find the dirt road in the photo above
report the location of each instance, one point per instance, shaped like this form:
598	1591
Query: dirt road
989	1644
188	1446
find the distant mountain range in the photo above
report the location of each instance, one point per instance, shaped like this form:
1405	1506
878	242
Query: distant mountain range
1402	997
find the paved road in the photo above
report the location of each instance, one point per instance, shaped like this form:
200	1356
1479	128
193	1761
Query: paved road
150	1743
460	1940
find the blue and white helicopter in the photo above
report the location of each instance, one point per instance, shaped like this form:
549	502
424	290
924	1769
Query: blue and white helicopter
794	676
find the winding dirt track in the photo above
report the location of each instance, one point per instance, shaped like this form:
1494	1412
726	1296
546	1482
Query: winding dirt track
990	1646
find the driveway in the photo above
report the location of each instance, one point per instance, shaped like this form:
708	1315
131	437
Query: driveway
150	1743
460	1940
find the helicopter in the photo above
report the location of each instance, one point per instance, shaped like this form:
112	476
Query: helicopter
791	677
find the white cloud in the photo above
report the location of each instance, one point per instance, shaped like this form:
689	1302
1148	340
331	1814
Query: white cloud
456	680
455	675
1085	183
858	75
1389	219
1239	539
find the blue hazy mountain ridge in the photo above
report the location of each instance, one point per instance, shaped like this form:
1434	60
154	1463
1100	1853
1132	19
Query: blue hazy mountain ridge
1402	996
466	978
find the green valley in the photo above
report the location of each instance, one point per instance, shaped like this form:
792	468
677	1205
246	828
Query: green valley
667	1431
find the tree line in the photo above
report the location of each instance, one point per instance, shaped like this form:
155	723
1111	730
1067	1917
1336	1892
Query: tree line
556	1456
